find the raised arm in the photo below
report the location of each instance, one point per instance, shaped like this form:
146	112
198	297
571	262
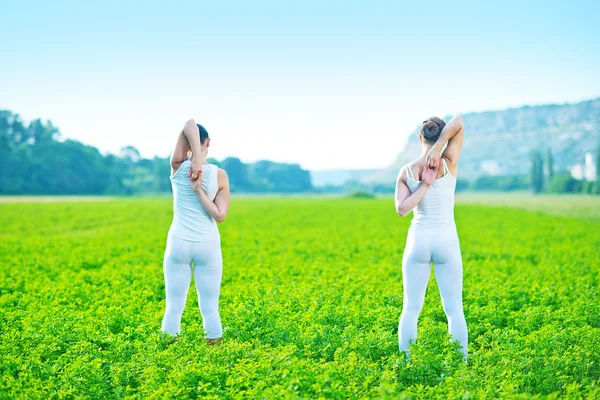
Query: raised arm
453	134
220	206
179	154
188	139
404	199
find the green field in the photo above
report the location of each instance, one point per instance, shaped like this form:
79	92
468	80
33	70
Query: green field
573	205
311	296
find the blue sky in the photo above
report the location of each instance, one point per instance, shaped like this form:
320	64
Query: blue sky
327	84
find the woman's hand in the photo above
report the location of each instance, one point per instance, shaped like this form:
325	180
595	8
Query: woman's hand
429	175
196	168
197	183
433	157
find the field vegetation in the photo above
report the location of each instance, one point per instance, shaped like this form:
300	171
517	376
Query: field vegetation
310	301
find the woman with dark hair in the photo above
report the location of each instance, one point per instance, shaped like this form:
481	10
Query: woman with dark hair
200	200
427	186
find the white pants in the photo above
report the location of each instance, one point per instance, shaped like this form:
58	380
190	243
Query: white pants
443	249
207	269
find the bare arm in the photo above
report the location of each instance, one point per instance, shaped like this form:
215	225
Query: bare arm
188	139
179	154
404	199
190	130
220	206
453	134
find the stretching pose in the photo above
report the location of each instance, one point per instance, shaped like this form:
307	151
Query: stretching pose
200	199
427	185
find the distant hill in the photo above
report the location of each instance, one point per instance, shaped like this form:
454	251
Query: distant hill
499	142
338	177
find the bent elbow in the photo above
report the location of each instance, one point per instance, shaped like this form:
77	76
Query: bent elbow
189	124
220	218
459	121
402	211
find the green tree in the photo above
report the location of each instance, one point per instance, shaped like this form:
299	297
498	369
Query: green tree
565	183
34	161
13	153
278	177
597	184
537	172
237	172
549	164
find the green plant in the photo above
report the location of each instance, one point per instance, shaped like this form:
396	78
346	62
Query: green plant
310	301
359	194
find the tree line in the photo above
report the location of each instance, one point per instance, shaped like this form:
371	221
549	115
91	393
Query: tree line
543	178
34	159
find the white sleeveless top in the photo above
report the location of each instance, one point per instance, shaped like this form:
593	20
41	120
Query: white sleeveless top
190	220
436	208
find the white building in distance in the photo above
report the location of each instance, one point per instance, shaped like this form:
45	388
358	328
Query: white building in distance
585	171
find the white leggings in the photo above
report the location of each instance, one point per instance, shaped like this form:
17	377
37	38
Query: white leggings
208	268
443	249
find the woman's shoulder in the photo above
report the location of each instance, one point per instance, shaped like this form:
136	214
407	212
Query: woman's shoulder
413	167
222	178
222	173
417	162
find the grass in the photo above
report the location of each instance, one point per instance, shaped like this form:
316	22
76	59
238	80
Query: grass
311	297
579	206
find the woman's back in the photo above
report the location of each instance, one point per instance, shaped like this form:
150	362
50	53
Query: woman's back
190	219
436	208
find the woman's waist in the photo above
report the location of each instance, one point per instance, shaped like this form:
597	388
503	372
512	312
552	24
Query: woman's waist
191	214
196	230
433	221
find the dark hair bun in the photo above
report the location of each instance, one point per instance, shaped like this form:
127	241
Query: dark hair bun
432	128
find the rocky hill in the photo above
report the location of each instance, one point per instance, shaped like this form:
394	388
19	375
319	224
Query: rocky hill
500	142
